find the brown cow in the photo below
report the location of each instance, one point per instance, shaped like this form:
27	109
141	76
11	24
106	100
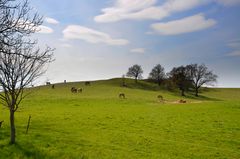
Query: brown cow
182	101
122	95
160	98
87	83
79	90
74	90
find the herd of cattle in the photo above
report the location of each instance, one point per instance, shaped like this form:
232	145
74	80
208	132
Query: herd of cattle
121	95
80	90
76	90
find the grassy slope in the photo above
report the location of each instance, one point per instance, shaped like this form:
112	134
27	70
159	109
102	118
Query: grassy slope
97	124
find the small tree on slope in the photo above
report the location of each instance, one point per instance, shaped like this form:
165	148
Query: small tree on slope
135	71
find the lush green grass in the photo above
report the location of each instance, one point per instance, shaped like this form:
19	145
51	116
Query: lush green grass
97	124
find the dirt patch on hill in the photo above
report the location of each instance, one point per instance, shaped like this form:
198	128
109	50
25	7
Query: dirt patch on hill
180	102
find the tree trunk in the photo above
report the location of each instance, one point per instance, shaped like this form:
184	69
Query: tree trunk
12	125
196	92
135	80
182	92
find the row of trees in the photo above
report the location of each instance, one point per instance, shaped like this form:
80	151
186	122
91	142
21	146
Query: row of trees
21	62
184	77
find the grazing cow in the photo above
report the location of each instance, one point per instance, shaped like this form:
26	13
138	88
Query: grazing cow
124	85
53	86
48	83
160	98
182	101
1	122
122	95
79	90
74	90
87	83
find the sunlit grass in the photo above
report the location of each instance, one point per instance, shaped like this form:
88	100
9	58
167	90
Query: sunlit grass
97	124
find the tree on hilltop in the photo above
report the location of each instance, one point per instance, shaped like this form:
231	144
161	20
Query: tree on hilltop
180	77
135	71
200	75
157	74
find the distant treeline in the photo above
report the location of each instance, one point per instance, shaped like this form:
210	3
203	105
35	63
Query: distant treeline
185	78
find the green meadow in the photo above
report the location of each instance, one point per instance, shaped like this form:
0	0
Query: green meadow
98	124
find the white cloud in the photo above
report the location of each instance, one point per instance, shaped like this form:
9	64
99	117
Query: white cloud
122	9
51	20
228	2
235	46
147	9
234	53
44	29
91	36
138	50
185	25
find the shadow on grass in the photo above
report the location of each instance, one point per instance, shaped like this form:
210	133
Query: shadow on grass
22	151
143	85
191	95
203	98
3	133
29	151
18	150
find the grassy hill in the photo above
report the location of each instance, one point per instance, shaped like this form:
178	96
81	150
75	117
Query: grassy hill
97	124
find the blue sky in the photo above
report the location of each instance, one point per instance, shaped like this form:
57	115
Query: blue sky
101	39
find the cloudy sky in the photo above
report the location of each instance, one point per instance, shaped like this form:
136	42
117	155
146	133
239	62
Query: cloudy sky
100	39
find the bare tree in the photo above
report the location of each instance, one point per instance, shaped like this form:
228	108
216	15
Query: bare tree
20	61
17	20
157	74
20	65
135	71
200	75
